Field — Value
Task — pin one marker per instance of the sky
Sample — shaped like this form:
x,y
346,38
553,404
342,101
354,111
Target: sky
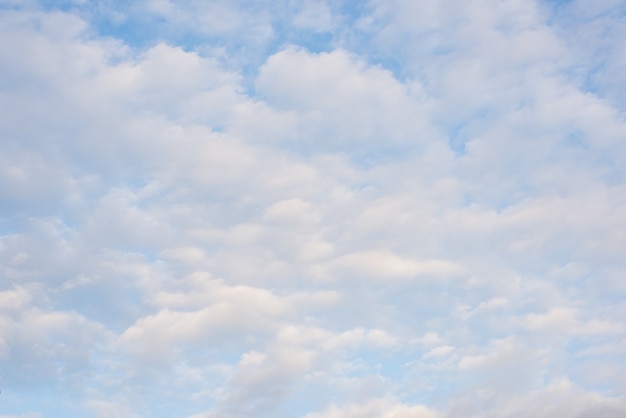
x,y
312,208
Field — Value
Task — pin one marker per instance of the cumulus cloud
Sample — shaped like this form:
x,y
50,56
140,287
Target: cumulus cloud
x,y
384,265
377,408
316,209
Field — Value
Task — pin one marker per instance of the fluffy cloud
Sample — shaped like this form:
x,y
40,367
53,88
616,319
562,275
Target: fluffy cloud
x,y
377,408
316,209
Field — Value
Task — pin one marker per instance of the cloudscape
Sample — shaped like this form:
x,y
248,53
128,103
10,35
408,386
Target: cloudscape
x,y
312,208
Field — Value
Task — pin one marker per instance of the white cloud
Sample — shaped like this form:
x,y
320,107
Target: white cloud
x,y
556,319
561,396
367,105
314,15
321,209
377,408
430,338
222,311
290,210
184,254
386,265
441,351
40,348
565,321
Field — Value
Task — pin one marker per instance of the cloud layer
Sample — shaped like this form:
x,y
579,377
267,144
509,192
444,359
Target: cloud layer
x,y
312,209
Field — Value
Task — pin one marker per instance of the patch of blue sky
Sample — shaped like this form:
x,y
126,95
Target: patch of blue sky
x,y
369,157
594,32
458,137
9,226
166,402
422,302
364,45
391,363
432,386
311,397
118,302
578,373
353,9
142,33
37,393
32,403
311,40
365,373
218,350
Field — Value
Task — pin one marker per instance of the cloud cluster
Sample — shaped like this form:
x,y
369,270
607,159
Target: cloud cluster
x,y
313,209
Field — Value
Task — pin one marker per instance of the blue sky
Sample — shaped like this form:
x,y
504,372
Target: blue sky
x,y
383,208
